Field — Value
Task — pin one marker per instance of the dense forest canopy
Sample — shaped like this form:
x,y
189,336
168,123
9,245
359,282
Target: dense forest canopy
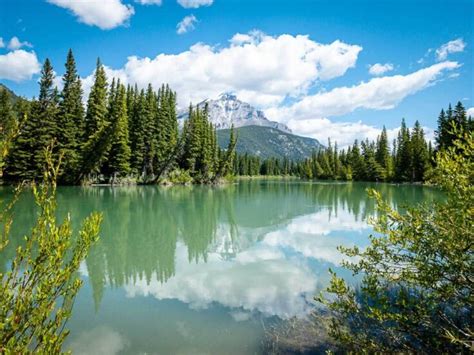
x,y
123,135
410,157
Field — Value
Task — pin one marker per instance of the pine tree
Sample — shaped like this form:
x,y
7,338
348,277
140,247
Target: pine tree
x,y
460,117
97,103
357,162
119,155
442,131
97,138
382,155
71,119
403,161
420,153
27,160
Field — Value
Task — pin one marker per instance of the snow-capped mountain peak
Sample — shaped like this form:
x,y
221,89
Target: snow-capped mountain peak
x,y
228,110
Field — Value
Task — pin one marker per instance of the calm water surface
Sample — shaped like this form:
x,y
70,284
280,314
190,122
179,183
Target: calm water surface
x,y
201,270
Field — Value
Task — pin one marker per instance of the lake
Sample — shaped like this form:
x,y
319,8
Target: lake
x,y
203,270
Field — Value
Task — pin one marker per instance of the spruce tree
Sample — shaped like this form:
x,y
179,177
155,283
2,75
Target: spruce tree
x,y
39,132
97,103
96,125
382,154
403,166
71,119
419,153
137,134
119,155
442,131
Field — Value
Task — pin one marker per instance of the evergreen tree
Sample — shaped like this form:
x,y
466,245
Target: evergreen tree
x,y
404,154
39,132
420,153
382,155
119,155
442,131
71,119
8,121
96,125
97,103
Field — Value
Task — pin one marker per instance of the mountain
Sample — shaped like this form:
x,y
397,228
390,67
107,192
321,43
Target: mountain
x,y
13,96
228,110
268,142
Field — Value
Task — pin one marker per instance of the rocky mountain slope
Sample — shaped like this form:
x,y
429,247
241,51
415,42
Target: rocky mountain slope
x,y
228,110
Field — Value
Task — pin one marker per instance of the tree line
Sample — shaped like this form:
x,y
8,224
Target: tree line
x,y
410,157
122,134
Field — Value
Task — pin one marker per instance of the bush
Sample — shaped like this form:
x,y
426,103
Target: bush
x,y
37,294
418,273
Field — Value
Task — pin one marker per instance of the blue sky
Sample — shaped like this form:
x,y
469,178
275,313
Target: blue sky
x,y
320,85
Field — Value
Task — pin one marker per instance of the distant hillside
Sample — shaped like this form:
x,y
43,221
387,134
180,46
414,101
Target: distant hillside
x,y
269,142
14,96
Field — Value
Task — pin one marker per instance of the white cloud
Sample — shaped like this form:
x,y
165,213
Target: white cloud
x,y
379,69
344,133
19,65
15,43
98,340
453,46
193,4
276,73
470,112
309,115
186,24
270,284
258,68
149,2
105,14
2,44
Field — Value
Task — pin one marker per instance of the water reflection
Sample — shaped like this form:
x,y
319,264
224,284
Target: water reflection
x,y
253,248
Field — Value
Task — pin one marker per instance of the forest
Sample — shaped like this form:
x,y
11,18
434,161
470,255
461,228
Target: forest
x,y
123,135
410,157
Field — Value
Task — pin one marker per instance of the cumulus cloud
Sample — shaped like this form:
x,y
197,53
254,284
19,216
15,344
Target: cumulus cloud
x,y
193,4
309,115
149,2
258,68
19,65
453,46
279,74
344,133
186,24
379,69
105,14
15,43
2,44
269,284
470,112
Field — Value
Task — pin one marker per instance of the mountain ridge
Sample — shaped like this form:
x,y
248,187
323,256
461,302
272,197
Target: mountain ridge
x,y
228,110
268,142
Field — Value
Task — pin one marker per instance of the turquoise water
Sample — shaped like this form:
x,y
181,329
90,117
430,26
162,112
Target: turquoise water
x,y
203,270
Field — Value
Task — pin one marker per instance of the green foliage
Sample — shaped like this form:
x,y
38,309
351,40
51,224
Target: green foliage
x,y
37,293
119,155
416,293
449,123
180,177
38,131
71,120
201,154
